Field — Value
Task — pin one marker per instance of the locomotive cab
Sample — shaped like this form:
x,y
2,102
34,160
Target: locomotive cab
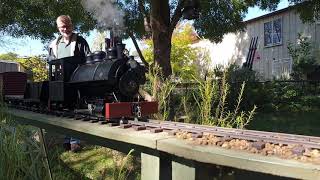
x,y
60,71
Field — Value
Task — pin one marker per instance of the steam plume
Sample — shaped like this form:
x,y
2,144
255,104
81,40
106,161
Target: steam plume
x,y
106,13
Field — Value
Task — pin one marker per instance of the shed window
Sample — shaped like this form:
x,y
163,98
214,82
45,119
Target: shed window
x,y
273,32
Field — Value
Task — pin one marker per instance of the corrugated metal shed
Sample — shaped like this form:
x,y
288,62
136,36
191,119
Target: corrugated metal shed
x,y
9,66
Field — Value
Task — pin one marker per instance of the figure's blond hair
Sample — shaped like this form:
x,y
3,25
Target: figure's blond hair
x,y
66,19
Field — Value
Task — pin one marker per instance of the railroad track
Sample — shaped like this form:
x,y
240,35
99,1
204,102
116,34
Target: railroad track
x,y
288,146
300,147
198,131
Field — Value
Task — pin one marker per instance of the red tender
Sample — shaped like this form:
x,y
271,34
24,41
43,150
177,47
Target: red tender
x,y
126,109
13,84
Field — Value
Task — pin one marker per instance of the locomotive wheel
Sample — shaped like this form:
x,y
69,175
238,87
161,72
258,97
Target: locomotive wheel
x,y
128,84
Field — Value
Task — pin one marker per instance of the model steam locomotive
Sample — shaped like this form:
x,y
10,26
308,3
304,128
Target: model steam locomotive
x,y
104,84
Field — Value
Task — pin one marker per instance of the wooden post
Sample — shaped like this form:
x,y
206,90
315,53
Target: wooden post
x,y
183,171
45,152
156,166
150,167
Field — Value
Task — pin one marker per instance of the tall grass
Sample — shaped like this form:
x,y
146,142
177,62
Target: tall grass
x,y
161,90
122,172
210,98
207,92
186,108
212,95
20,155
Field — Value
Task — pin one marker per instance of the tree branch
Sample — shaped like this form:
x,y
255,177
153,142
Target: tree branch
x,y
146,18
176,15
138,50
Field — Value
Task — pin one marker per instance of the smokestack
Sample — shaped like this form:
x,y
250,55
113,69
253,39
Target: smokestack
x,y
114,46
107,43
113,40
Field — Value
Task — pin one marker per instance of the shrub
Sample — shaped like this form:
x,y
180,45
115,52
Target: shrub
x,y
304,60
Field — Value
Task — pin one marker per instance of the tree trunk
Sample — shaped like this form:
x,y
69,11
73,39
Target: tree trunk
x,y
138,50
162,51
161,35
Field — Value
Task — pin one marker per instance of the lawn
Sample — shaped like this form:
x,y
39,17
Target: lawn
x,y
95,162
306,123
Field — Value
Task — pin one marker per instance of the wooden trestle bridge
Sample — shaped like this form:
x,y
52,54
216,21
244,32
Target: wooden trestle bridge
x,y
164,156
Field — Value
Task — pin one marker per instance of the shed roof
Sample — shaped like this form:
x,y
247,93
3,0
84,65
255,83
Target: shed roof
x,y
7,61
271,14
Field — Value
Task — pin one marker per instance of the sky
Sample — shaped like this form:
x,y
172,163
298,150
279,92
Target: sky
x,y
32,47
